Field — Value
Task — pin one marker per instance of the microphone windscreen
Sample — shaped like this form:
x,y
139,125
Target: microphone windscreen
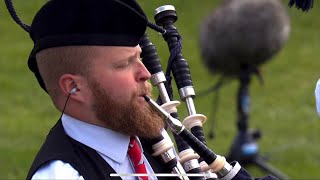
x,y
243,33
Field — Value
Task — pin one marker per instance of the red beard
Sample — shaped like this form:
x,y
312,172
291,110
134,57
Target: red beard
x,y
131,118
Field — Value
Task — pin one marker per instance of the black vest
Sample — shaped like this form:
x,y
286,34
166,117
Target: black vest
x,y
59,146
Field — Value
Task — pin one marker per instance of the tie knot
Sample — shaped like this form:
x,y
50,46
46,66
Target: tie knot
x,y
132,143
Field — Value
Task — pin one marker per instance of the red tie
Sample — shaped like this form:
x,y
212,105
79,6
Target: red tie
x,y
135,155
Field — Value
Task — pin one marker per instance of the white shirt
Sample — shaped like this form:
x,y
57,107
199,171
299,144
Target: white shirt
x,y
112,147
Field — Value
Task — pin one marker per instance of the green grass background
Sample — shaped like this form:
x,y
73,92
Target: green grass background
x,y
283,108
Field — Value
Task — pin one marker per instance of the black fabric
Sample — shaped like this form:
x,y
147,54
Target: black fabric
x,y
85,22
59,146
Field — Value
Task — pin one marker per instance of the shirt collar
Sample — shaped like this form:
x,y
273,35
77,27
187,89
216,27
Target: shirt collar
x,y
108,142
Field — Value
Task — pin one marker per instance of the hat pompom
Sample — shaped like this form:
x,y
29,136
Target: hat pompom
x,y
304,5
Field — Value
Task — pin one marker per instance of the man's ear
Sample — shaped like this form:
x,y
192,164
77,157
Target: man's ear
x,y
73,85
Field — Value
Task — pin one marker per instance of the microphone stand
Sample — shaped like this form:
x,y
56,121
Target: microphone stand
x,y
244,148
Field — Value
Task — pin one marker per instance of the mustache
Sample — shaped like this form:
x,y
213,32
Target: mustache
x,y
145,90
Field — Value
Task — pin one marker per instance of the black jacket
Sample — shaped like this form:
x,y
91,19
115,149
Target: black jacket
x,y
59,146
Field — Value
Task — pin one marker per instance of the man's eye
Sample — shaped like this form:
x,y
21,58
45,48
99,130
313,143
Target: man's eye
x,y
125,64
122,65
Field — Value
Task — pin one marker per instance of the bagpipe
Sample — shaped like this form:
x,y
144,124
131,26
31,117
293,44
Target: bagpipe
x,y
193,154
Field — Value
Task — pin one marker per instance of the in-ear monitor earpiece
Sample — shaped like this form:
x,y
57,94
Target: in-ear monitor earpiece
x,y
73,90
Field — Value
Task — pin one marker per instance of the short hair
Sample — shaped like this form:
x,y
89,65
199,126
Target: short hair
x,y
54,62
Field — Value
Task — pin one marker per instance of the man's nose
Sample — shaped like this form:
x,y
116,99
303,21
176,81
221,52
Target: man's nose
x,y
144,74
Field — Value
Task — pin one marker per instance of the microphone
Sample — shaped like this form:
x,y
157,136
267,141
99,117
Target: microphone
x,y
243,33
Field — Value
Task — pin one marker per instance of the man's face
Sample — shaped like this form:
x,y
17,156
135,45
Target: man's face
x,y
118,81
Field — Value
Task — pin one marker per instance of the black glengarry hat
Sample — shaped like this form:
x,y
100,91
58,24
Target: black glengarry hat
x,y
85,22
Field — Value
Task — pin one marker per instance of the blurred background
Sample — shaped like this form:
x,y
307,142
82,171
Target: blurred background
x,y
283,108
